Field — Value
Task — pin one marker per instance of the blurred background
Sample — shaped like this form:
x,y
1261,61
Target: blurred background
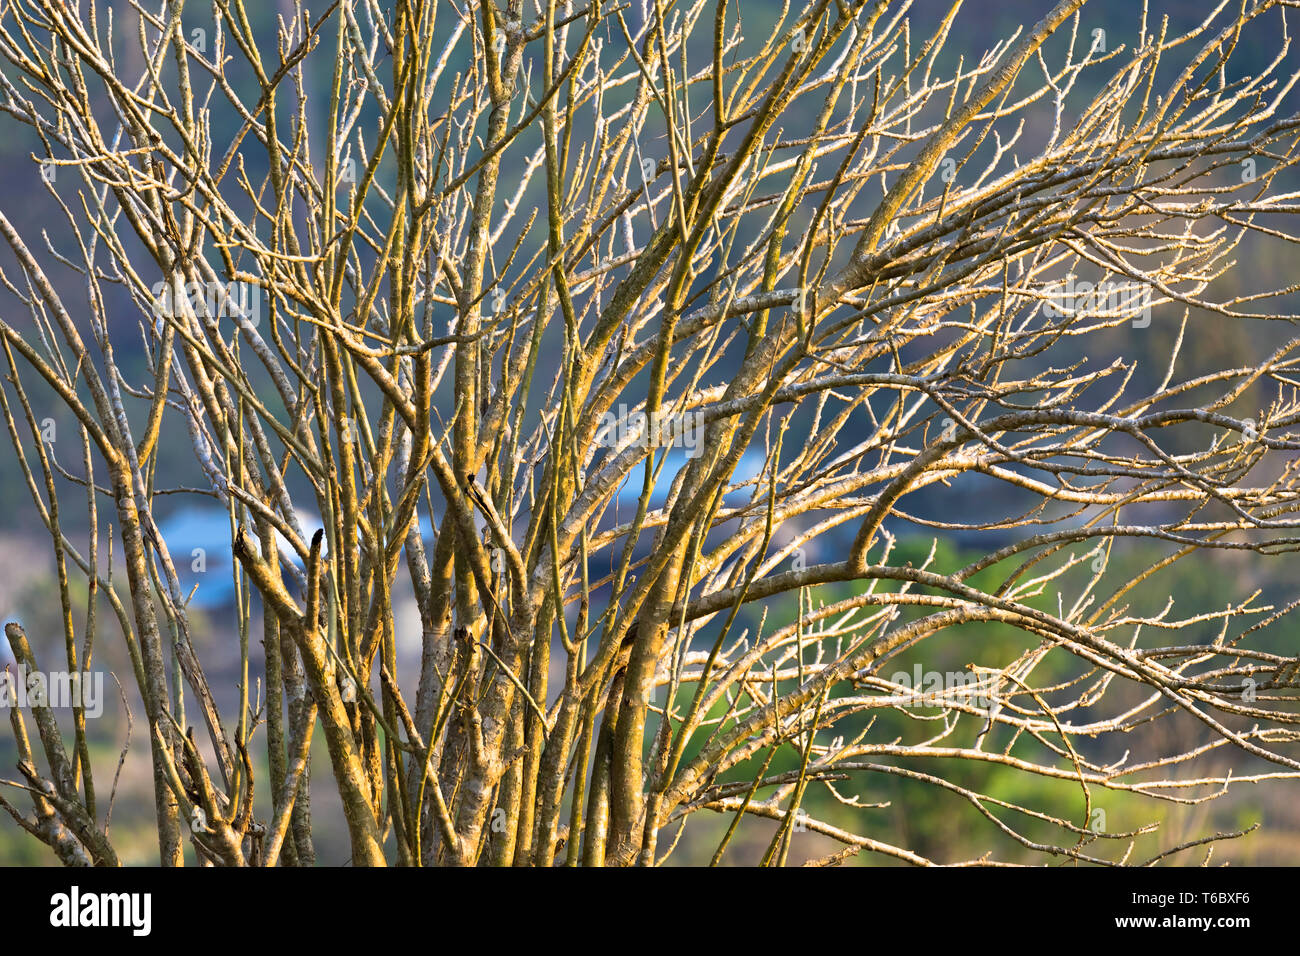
x,y
934,823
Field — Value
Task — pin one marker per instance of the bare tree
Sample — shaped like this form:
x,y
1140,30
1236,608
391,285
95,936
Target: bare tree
x,y
590,327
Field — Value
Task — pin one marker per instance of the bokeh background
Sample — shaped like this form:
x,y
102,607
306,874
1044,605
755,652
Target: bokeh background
x,y
933,823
